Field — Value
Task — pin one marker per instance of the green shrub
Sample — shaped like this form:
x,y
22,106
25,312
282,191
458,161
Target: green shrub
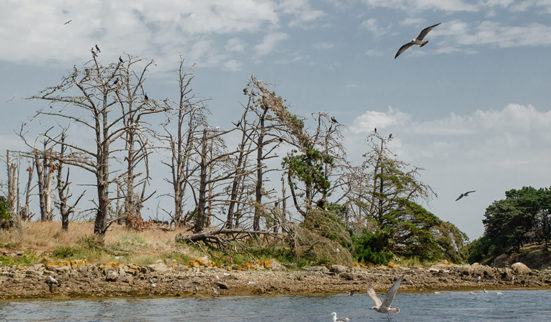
x,y
372,247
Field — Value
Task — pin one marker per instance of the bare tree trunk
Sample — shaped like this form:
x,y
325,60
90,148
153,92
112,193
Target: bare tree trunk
x,y
200,220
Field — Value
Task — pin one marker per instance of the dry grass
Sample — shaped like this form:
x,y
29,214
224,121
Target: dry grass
x,y
120,244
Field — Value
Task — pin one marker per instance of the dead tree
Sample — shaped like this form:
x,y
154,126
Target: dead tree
x,y
25,213
181,137
45,169
89,98
136,138
63,188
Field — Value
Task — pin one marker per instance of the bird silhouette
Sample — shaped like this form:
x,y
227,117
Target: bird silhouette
x,y
97,48
384,306
416,41
145,97
334,120
390,136
120,59
67,22
464,194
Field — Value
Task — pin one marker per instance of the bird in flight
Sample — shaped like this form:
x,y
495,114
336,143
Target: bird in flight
x,y
384,306
67,22
336,319
464,194
416,41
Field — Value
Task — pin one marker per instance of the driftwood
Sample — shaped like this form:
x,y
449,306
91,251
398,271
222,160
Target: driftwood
x,y
207,236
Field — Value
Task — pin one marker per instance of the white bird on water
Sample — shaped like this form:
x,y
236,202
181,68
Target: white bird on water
x,y
384,306
416,41
335,319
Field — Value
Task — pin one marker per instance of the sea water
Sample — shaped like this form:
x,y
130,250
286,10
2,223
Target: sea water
x,y
510,305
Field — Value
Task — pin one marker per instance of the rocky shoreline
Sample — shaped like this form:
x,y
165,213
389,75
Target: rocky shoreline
x,y
78,279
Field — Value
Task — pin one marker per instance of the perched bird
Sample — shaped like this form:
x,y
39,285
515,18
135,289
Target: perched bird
x,y
334,120
416,41
116,81
120,59
375,130
335,319
97,48
93,52
384,307
67,22
464,194
145,97
390,136
52,280
215,292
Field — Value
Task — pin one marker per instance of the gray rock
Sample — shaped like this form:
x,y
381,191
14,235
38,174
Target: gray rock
x,y
338,269
520,268
111,274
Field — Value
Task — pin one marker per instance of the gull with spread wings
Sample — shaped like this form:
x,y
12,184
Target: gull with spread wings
x,y
464,194
384,306
417,40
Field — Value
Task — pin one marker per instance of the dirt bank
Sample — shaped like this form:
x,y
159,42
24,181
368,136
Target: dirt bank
x,y
79,279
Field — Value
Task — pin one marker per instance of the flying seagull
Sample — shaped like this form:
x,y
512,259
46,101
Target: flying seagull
x,y
335,319
464,194
384,307
416,41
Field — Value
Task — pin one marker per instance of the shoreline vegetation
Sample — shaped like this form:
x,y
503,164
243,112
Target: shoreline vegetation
x,y
50,264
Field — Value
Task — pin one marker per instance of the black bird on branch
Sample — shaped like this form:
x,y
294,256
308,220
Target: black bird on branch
x,y
464,194
334,120
120,59
145,97
390,136
97,48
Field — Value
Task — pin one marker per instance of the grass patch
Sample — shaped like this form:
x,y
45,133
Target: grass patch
x,y
28,258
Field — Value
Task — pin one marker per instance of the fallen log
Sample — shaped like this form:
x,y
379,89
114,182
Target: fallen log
x,y
214,235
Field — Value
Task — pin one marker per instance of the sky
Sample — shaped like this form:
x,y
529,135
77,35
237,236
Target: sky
x,y
472,108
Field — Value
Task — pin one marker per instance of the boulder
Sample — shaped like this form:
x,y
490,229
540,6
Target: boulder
x,y
159,267
520,268
338,269
111,274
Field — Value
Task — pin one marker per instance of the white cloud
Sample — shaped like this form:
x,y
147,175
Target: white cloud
x,y
235,45
268,43
419,5
369,120
324,45
233,65
374,27
458,35
301,10
207,32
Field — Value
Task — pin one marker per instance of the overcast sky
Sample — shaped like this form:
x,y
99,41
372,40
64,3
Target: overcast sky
x,y
472,107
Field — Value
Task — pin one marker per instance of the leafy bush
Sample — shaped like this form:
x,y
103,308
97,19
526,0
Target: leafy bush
x,y
372,247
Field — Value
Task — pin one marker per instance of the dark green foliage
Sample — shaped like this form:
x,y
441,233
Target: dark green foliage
x,y
372,248
309,168
415,232
4,209
524,216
